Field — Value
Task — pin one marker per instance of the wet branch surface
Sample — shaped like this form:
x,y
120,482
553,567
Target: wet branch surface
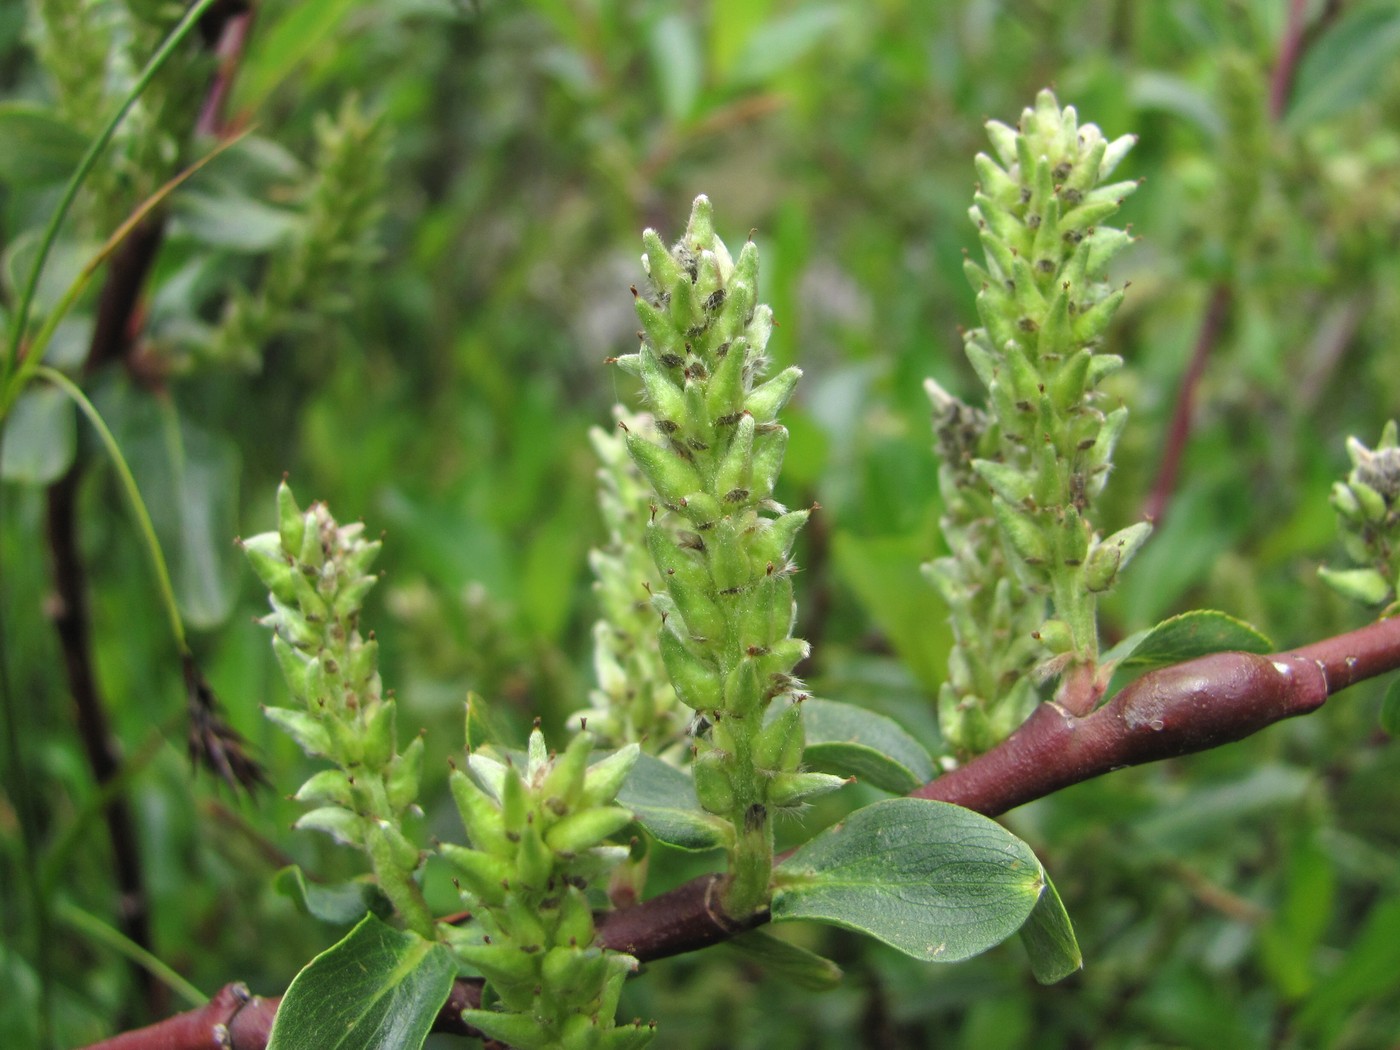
x,y
1194,706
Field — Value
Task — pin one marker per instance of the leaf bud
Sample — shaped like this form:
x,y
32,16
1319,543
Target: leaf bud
x,y
713,787
670,475
605,778
480,816
345,827
791,789
586,828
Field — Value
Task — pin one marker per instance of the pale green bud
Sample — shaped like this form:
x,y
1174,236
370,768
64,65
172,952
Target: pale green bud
x,y
341,824
696,681
1366,586
273,567
713,787
604,779
404,775
779,744
480,815
310,734
586,828
483,875
1022,533
379,736
792,789
670,475
327,786
766,401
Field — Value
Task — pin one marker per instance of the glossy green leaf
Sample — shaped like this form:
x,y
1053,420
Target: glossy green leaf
x,y
378,989
851,741
40,437
1049,939
1342,68
36,148
790,962
663,798
936,881
340,903
1183,637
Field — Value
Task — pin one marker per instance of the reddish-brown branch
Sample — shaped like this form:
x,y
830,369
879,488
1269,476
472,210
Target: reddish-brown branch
x,y
73,627
232,1020
1167,713
1195,706
1281,84
1179,432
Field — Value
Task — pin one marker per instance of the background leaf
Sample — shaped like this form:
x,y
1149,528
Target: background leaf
x,y
1341,69
40,437
663,799
787,961
36,147
851,741
340,903
378,989
938,882
1048,936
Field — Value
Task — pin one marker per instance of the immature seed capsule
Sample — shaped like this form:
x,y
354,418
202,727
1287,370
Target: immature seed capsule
x,y
713,787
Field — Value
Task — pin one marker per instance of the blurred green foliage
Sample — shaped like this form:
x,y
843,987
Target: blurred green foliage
x,y
1242,898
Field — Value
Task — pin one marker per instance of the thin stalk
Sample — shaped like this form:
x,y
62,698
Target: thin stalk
x,y
34,357
133,495
85,922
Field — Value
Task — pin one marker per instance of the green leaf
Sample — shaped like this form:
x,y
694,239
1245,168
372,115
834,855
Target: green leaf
x,y
663,799
1048,936
341,903
884,572
1151,89
1390,709
851,741
1368,973
783,42
40,438
233,221
1343,67
36,148
787,961
675,54
378,989
282,46
189,478
1183,637
936,881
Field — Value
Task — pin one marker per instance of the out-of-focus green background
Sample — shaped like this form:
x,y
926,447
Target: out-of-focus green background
x,y
1242,898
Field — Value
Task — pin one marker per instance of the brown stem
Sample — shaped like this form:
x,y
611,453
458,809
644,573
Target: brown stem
x,y
1217,308
72,624
1212,324
1289,49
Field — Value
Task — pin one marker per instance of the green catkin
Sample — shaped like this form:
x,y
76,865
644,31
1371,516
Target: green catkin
x,y
719,544
1019,480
